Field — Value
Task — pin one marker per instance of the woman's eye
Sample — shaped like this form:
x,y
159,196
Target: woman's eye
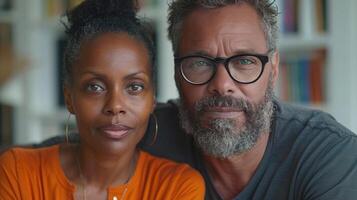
x,y
135,87
95,88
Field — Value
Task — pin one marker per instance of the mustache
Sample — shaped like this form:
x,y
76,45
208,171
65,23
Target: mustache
x,y
223,101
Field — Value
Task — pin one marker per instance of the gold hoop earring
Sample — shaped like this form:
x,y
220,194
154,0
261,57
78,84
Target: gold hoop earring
x,y
66,133
156,130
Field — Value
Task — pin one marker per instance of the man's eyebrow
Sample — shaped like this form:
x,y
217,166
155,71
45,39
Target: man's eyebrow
x,y
246,51
236,52
198,53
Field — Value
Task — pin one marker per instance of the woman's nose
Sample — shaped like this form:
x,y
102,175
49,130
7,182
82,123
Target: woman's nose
x,y
114,104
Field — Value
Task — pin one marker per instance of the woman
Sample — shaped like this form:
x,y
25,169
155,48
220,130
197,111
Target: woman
x,y
108,86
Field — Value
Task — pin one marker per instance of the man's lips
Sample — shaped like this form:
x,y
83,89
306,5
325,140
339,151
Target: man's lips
x,y
222,112
222,109
115,131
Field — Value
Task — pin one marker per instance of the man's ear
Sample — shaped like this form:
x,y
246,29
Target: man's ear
x,y
275,61
68,99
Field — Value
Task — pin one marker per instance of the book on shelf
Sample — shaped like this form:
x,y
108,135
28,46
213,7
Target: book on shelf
x,y
5,33
321,7
6,52
304,86
317,80
6,5
10,63
289,21
302,78
6,124
73,3
288,10
55,8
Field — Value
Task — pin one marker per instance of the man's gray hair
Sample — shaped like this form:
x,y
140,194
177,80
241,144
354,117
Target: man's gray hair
x,y
179,9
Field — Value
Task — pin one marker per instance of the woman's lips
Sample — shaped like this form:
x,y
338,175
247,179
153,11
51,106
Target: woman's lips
x,y
115,131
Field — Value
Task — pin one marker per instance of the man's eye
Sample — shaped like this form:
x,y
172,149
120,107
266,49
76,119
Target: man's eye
x,y
245,61
95,88
200,63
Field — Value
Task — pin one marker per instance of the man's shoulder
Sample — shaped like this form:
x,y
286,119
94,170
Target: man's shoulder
x,y
171,141
169,107
312,150
288,111
309,132
299,118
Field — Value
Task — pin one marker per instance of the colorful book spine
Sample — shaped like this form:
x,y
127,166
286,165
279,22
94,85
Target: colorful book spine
x,y
302,78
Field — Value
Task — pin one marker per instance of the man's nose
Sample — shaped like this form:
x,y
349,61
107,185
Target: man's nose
x,y
222,83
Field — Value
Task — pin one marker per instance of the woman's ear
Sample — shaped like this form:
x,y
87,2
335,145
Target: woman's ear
x,y
154,105
68,99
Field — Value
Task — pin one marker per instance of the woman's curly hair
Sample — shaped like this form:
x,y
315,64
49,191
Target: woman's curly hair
x,y
94,17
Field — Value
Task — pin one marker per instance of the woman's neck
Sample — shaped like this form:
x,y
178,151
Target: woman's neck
x,y
83,166
104,171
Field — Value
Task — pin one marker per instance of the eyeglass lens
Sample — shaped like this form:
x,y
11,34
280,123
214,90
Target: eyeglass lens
x,y
243,69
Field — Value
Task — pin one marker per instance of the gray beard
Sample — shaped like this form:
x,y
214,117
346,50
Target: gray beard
x,y
223,138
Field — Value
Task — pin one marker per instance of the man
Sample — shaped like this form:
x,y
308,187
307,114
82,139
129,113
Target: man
x,y
246,144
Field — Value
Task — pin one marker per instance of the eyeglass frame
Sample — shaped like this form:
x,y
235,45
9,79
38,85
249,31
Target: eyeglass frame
x,y
264,59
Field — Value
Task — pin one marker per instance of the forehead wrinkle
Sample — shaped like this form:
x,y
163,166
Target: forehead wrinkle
x,y
237,44
202,47
230,40
232,43
226,34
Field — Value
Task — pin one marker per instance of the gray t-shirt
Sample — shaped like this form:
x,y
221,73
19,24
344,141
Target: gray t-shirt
x,y
309,155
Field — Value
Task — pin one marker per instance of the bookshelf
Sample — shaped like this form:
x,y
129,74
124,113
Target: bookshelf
x,y
7,66
35,93
309,27
303,46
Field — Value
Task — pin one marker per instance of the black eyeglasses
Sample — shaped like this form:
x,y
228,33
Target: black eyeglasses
x,y
244,68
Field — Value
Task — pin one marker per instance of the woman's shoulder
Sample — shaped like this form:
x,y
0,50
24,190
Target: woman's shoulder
x,y
166,168
27,157
178,180
151,160
30,153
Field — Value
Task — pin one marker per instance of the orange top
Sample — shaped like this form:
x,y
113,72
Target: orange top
x,y
37,174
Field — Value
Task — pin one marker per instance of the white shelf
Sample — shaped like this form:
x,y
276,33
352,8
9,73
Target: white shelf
x,y
57,117
152,12
53,23
296,42
9,92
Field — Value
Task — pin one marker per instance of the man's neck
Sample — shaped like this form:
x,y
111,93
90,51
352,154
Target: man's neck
x,y
230,175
